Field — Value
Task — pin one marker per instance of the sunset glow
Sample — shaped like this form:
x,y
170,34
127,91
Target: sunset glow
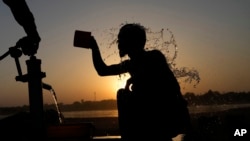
x,y
211,38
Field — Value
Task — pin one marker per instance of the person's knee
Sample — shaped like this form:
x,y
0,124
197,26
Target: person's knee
x,y
119,93
122,94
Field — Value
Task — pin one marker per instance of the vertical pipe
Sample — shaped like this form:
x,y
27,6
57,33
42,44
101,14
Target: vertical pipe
x,y
36,97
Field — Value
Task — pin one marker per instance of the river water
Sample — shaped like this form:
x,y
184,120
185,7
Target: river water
x,y
114,113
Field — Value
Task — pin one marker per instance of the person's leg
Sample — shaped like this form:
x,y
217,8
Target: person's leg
x,y
124,113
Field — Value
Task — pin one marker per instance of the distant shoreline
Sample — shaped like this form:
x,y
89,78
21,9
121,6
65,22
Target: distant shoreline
x,y
6,111
208,98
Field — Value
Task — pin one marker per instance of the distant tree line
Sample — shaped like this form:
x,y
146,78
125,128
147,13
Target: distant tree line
x,y
215,97
108,104
81,105
208,98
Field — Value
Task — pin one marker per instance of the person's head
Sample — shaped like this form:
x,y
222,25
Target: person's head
x,y
131,39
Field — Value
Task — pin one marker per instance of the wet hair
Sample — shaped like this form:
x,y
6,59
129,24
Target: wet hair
x,y
133,32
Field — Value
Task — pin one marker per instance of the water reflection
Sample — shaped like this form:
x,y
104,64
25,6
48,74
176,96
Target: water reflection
x,y
114,113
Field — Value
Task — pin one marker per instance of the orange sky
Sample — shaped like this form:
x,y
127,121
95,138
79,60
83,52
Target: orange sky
x,y
211,37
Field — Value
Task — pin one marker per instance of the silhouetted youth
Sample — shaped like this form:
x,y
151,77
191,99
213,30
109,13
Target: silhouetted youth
x,y
151,106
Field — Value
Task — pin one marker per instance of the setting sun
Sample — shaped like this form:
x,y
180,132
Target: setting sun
x,y
119,82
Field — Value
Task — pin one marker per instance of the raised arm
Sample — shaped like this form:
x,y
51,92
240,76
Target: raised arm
x,y
25,18
100,66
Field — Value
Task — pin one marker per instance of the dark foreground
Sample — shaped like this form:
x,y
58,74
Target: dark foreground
x,y
218,126
230,125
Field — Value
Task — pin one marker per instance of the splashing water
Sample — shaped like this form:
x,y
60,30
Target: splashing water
x,y
163,40
60,116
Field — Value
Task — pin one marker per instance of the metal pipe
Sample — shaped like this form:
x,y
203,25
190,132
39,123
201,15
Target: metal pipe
x,y
36,96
